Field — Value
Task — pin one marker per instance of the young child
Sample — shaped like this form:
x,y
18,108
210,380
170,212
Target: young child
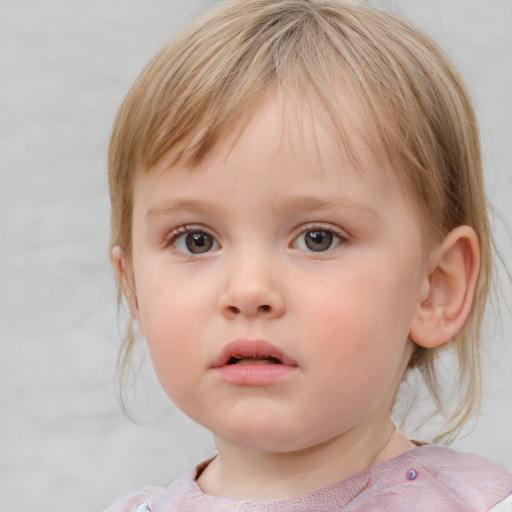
x,y
298,220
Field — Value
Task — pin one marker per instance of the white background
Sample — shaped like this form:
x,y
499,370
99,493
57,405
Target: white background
x,y
64,68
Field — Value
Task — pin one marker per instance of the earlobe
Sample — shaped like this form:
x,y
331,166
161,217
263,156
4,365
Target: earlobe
x,y
126,280
448,289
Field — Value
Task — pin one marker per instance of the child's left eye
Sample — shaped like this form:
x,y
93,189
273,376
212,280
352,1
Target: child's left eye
x,y
318,240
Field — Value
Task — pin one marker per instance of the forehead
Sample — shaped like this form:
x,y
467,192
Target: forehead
x,y
300,123
283,142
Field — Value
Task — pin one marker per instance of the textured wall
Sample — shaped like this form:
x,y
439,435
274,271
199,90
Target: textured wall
x,y
65,66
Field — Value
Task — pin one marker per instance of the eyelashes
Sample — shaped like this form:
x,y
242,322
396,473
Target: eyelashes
x,y
198,240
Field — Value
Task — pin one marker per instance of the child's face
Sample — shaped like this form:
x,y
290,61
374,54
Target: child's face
x,y
278,247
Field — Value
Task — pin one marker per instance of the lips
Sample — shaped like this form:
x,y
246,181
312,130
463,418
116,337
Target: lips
x,y
253,363
246,352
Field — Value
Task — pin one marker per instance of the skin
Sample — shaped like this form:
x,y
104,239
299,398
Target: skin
x,y
342,314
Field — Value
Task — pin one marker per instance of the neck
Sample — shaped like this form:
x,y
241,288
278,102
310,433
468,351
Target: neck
x,y
258,475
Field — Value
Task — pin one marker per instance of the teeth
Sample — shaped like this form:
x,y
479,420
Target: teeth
x,y
241,358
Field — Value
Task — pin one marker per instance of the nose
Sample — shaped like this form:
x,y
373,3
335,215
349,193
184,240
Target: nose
x,y
251,291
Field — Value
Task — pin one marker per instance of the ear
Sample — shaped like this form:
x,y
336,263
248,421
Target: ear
x,y
125,277
448,289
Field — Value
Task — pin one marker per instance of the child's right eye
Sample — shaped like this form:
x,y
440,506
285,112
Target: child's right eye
x,y
193,242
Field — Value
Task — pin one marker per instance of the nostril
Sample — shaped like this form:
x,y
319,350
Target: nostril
x,y
249,309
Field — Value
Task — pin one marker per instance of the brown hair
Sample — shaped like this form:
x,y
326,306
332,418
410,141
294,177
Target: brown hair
x,y
416,108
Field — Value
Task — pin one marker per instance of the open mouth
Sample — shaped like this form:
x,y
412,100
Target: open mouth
x,y
253,362
253,359
254,352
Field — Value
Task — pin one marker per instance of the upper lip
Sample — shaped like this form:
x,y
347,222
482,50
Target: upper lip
x,y
251,347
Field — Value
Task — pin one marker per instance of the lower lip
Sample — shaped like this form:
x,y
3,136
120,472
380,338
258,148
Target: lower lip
x,y
255,374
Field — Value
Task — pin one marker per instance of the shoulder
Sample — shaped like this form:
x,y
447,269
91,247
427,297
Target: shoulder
x,y
448,465
440,478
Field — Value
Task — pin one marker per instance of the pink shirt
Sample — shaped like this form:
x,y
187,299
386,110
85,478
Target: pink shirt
x,y
427,478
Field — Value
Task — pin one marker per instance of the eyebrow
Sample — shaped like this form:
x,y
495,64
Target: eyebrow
x,y
182,204
314,203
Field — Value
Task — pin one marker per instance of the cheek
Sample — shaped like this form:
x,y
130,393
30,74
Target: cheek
x,y
365,329
173,329
169,304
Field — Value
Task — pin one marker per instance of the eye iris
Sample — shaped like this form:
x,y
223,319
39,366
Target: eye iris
x,y
198,242
318,240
